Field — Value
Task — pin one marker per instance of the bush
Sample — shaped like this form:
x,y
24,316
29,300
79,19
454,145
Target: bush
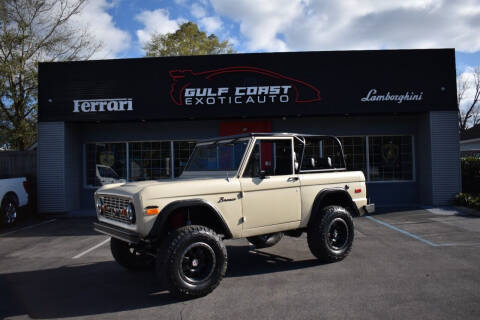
x,y
468,200
471,175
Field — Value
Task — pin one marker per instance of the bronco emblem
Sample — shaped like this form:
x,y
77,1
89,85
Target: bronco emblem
x,y
223,199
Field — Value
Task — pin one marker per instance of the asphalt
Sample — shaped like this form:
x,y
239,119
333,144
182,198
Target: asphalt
x,y
405,264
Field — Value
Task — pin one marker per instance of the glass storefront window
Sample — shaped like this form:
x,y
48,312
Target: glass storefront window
x,y
355,153
149,160
106,163
390,158
182,151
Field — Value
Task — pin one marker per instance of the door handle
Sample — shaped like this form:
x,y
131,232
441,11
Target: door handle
x,y
292,179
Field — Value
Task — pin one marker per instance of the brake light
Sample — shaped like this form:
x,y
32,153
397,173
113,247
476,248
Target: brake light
x,y
358,190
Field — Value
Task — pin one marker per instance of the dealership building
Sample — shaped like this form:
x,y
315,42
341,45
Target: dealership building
x,y
106,121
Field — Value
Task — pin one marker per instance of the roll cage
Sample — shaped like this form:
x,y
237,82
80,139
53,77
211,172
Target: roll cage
x,y
299,138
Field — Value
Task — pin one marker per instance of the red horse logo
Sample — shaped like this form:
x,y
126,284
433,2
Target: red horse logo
x,y
182,79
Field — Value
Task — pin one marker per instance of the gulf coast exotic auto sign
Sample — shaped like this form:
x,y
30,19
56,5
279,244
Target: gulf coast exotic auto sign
x,y
238,85
257,85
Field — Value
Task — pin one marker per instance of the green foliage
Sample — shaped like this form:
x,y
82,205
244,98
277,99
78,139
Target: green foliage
x,y
188,40
471,175
468,200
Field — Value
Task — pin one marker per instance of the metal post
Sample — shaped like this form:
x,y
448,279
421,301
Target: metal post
x,y
172,161
367,158
128,161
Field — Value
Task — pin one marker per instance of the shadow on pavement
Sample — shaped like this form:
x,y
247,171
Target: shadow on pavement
x,y
45,227
244,261
79,291
105,287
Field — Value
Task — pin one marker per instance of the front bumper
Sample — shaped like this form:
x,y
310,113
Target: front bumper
x,y
116,232
367,209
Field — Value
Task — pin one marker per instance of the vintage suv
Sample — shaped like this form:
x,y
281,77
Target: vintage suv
x,y
256,185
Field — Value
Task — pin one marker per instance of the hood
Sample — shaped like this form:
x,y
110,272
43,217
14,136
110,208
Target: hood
x,y
183,187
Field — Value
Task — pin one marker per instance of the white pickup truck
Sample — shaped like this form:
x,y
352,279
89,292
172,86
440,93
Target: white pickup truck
x,y
13,194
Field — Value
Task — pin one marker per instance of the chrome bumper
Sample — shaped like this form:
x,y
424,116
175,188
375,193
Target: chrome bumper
x,y
116,232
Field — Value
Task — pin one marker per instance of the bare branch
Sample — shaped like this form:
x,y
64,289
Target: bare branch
x,y
33,31
468,95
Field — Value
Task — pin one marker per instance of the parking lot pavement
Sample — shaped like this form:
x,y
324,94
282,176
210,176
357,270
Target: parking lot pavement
x,y
416,264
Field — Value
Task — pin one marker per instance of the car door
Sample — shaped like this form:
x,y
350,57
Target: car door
x,y
271,189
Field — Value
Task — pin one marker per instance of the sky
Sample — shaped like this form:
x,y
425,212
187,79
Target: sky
x,y
124,26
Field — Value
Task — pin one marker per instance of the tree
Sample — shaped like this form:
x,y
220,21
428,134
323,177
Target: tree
x,y
188,40
468,94
33,31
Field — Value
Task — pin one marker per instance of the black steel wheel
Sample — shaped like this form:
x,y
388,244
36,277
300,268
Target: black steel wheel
x,y
8,209
265,240
193,261
330,234
127,255
338,234
198,263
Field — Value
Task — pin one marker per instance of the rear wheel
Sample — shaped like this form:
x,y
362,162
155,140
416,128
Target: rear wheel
x,y
194,263
8,209
330,234
127,256
266,240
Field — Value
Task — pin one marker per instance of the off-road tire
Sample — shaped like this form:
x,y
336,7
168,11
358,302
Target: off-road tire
x,y
126,256
192,262
266,240
8,209
330,234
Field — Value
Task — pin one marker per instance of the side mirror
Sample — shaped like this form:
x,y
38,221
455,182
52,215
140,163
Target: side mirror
x,y
262,174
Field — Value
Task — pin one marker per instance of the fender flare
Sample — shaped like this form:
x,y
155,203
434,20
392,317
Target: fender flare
x,y
163,216
337,191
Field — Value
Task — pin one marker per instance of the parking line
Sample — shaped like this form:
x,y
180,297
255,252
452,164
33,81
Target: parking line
x,y
91,249
411,235
27,227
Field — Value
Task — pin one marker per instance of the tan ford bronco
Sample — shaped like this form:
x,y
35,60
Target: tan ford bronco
x,y
259,186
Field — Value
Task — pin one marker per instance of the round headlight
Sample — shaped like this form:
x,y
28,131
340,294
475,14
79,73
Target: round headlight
x,y
131,213
99,205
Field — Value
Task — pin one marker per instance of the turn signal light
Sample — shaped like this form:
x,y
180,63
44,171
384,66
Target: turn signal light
x,y
151,211
358,190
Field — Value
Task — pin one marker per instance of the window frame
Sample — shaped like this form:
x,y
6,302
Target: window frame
x,y
321,170
127,157
249,151
250,147
151,141
245,153
414,172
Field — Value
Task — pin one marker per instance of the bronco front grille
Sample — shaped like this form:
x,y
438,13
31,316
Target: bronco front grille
x,y
115,208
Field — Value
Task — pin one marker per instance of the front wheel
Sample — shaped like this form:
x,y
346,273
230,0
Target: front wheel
x,y
330,234
194,263
8,210
128,257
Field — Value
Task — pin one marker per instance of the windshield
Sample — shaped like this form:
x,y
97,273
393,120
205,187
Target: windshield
x,y
218,156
